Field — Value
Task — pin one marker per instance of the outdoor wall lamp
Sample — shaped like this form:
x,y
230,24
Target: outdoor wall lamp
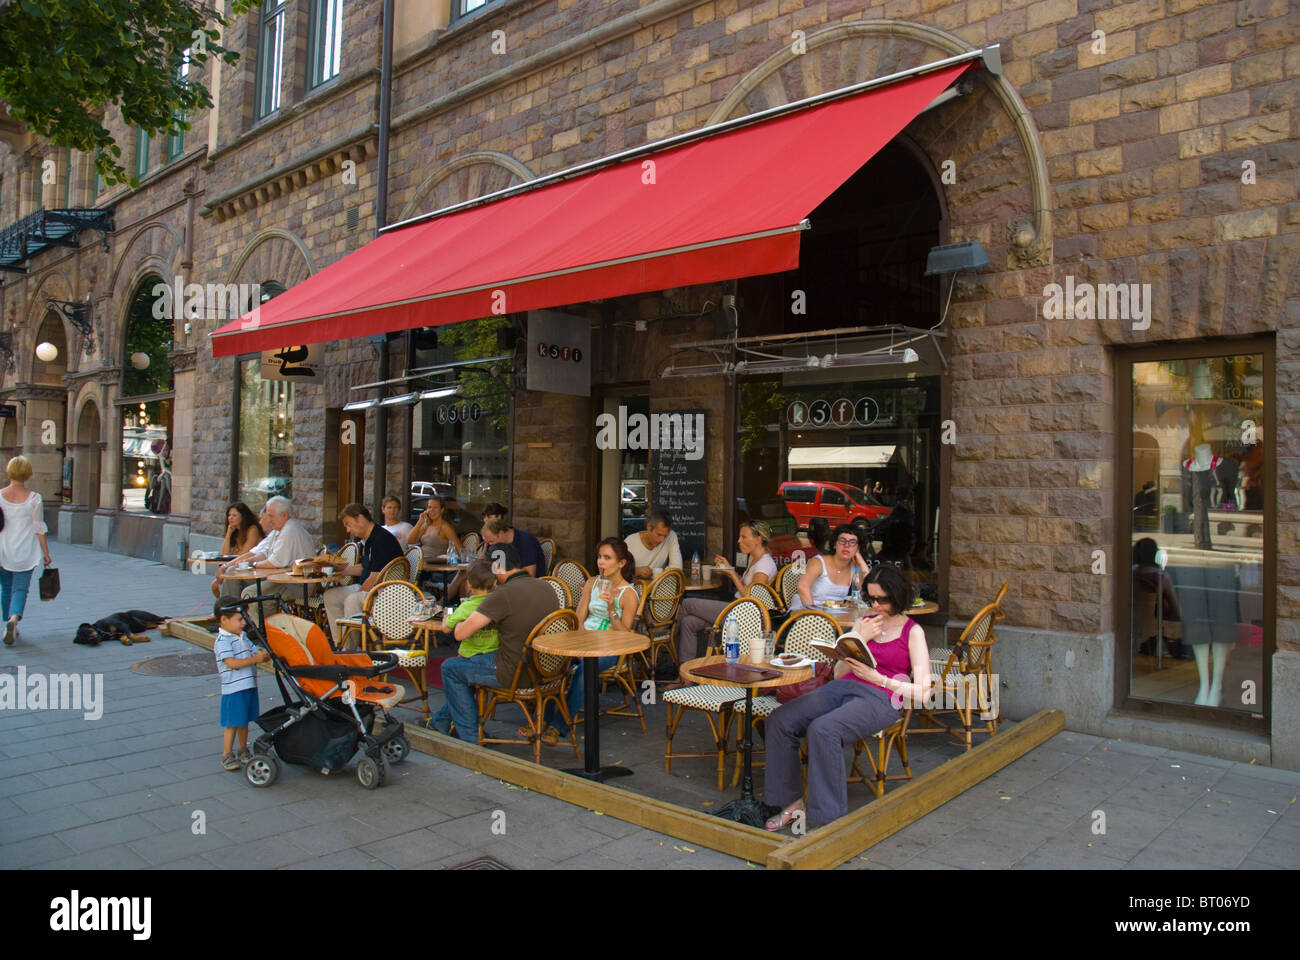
x,y
76,313
46,352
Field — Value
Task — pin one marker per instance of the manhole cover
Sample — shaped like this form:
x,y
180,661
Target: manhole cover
x,y
483,863
178,665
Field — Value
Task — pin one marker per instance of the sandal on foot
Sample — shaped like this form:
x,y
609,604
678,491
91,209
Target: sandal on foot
x,y
781,820
549,736
228,762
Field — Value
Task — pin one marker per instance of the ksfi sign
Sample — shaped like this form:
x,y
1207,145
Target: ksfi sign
x,y
559,353
842,412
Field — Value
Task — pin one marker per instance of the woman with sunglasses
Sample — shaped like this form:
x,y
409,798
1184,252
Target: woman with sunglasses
x,y
858,702
830,577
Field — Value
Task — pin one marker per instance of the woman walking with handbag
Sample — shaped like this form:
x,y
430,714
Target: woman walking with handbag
x,y
22,543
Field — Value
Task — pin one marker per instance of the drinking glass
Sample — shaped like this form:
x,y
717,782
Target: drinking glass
x,y
769,645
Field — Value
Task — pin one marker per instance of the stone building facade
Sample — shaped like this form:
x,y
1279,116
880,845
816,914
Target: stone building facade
x,y
1150,142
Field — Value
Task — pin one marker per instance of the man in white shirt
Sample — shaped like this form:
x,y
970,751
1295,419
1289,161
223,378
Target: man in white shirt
x,y
288,541
655,548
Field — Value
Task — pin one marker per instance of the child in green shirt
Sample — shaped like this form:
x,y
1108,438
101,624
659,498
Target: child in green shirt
x,y
481,580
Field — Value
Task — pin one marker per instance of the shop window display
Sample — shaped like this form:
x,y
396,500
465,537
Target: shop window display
x,y
1198,531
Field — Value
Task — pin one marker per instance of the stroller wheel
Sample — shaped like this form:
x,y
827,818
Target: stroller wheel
x,y
396,749
262,770
372,772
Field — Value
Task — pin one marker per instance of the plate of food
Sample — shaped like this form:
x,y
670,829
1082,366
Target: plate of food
x,y
791,661
835,605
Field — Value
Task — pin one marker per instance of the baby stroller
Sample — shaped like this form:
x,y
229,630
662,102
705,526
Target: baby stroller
x,y
330,701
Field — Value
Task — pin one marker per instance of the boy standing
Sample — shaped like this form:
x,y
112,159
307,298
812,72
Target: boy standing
x,y
481,579
236,662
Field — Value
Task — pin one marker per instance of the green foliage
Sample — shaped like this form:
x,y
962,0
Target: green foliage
x,y
474,340
152,336
63,62
760,404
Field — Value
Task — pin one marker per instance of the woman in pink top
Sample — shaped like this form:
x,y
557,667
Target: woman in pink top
x,y
22,543
858,702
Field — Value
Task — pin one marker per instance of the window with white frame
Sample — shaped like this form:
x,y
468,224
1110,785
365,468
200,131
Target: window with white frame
x,y
270,59
326,33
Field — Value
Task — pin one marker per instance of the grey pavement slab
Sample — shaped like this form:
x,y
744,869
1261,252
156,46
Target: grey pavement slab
x,y
123,790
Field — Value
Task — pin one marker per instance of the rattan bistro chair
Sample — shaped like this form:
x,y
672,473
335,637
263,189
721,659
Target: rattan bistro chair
x,y
396,569
787,583
964,679
546,682
414,561
562,594
386,619
878,749
768,597
471,542
548,555
574,576
716,703
657,618
795,636
316,602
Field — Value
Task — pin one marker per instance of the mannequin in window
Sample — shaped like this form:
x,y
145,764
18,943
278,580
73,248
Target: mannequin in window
x,y
1200,471
1226,494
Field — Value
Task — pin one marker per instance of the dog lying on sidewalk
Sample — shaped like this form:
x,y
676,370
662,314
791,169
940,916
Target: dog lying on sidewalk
x,y
127,627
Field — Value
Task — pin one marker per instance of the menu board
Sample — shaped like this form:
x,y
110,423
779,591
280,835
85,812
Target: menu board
x,y
678,484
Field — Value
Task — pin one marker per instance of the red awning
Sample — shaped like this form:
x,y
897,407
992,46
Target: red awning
x,y
720,207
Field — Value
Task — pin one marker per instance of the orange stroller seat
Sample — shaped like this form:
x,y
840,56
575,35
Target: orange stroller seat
x,y
301,643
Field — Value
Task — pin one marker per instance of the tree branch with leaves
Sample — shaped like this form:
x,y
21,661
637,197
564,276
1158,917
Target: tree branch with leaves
x,y
63,63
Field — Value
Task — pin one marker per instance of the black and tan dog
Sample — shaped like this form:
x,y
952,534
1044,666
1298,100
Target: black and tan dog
x,y
127,627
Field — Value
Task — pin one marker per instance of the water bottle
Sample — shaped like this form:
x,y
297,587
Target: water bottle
x,y
452,559
695,565
731,639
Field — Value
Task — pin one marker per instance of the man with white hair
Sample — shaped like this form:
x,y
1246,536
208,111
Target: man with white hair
x,y
286,542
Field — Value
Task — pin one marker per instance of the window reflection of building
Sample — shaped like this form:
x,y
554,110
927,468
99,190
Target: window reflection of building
x,y
265,441
146,406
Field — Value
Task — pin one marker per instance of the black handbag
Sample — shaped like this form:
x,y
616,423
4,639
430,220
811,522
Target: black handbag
x,y
49,585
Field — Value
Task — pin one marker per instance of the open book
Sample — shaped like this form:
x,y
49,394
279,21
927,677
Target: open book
x,y
849,646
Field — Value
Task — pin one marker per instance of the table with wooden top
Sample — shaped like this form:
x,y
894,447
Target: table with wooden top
x,y
747,809
706,583
257,574
306,579
590,645
446,569
849,615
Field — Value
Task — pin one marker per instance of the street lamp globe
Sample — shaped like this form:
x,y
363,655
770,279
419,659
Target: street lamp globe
x,y
46,352
140,360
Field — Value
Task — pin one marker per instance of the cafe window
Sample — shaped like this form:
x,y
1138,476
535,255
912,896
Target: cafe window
x,y
1200,530
146,405
265,442
853,451
460,442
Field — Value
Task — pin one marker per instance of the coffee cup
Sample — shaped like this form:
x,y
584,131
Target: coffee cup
x,y
756,651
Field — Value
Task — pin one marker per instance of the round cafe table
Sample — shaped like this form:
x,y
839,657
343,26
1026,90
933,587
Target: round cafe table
x,y
306,580
705,583
589,645
446,569
747,809
257,574
849,616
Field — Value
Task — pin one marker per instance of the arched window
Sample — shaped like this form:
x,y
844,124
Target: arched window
x,y
147,402
265,415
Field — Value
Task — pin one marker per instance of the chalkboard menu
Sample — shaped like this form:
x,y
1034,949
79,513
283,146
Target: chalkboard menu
x,y
678,484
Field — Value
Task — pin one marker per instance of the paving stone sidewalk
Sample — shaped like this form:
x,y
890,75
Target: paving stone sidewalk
x,y
128,789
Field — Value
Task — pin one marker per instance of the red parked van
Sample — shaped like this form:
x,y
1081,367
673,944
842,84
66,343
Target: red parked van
x,y
837,502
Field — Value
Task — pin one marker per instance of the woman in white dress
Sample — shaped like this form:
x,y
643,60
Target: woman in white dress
x,y
22,543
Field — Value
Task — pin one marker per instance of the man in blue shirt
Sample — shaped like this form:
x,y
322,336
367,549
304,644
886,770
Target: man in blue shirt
x,y
498,530
378,549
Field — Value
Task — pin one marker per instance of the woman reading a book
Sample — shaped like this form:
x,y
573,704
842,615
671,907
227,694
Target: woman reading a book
x,y
859,701
699,613
830,577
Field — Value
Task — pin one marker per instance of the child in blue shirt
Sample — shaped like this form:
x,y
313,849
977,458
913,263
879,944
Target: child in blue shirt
x,y
236,662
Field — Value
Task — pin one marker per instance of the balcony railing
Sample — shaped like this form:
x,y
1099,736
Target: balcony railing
x,y
23,239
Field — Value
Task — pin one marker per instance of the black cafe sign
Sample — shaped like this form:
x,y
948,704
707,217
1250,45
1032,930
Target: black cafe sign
x,y
840,412
459,412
